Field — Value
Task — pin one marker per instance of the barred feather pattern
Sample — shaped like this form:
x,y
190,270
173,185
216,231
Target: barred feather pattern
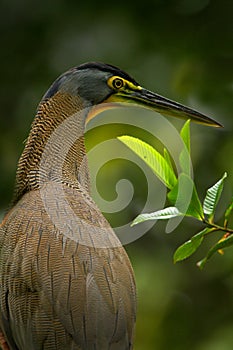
x,y
51,114
66,280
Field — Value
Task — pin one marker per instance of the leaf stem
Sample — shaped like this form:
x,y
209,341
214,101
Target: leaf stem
x,y
217,227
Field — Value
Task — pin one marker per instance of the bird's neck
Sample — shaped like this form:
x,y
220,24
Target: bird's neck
x,y
55,149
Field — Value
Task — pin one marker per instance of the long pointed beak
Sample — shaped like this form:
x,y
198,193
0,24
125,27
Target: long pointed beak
x,y
160,104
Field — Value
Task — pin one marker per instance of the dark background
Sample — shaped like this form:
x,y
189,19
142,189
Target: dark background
x,y
181,49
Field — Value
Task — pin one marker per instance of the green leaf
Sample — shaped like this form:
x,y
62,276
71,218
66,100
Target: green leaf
x,y
184,196
189,247
223,243
184,157
185,161
154,159
212,197
172,195
167,157
164,214
185,134
228,212
195,208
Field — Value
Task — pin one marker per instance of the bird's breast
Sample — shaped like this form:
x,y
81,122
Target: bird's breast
x,y
60,254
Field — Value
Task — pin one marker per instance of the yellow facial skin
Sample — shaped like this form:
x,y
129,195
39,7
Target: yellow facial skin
x,y
121,87
125,91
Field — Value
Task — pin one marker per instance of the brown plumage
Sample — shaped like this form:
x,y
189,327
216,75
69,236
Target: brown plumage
x,y
66,281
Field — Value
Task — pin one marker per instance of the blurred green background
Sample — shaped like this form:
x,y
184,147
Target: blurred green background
x,y
181,49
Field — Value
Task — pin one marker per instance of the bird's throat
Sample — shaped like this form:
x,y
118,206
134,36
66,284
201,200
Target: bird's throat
x,y
55,149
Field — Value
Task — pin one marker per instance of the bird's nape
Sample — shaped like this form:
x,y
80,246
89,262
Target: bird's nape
x,y
100,83
66,280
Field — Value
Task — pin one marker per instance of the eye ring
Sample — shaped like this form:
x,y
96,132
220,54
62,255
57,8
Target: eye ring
x,y
117,83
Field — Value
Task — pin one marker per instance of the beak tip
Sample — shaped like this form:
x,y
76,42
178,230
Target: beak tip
x,y
218,125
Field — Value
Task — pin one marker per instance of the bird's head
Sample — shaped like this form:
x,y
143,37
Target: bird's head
x,y
99,84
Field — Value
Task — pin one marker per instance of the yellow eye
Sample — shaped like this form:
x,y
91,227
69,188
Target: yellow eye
x,y
117,83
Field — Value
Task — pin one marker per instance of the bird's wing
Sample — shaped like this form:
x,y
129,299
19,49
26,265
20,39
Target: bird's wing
x,y
57,291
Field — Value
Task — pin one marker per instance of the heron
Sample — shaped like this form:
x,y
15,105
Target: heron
x,y
66,279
